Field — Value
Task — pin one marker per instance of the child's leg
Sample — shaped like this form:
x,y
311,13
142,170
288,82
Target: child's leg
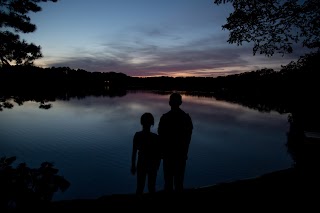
x,y
152,178
141,179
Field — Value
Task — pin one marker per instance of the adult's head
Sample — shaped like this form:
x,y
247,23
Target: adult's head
x,y
147,119
175,100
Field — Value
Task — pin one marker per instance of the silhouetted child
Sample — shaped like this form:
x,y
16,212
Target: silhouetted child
x,y
146,144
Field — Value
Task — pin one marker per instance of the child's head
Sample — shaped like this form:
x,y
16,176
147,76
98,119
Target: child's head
x,y
147,119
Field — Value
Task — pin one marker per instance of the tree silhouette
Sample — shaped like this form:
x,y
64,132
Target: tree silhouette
x,y
274,25
28,188
14,20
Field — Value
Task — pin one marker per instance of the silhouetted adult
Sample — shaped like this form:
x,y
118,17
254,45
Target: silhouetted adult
x,y
175,130
146,143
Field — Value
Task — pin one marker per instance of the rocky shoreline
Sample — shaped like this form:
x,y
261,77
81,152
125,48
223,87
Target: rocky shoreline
x,y
288,189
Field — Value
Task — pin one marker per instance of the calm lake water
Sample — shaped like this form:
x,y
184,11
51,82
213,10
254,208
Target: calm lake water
x,y
90,140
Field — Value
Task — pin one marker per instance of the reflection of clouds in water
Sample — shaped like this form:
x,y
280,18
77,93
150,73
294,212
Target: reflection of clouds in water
x,y
208,101
272,119
205,109
130,106
210,111
136,106
114,114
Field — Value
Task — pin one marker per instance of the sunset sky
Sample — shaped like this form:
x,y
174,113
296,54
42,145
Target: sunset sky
x,y
143,38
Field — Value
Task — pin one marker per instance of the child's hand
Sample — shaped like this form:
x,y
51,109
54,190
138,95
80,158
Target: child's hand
x,y
133,169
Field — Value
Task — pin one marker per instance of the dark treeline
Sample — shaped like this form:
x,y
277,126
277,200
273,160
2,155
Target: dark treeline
x,y
294,88
47,84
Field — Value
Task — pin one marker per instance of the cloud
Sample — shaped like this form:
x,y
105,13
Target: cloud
x,y
156,52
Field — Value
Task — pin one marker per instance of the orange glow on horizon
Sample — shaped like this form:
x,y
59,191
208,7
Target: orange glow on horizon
x,y
196,73
185,73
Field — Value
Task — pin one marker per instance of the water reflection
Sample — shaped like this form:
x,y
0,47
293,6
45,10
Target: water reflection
x,y
90,140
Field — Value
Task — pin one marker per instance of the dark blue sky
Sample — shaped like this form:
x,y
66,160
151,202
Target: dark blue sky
x,y
143,38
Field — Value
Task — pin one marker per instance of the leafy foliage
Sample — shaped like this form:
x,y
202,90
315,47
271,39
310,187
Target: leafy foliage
x,y
23,187
14,20
274,25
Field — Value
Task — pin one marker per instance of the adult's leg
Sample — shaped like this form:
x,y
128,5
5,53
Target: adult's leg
x,y
168,171
180,167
